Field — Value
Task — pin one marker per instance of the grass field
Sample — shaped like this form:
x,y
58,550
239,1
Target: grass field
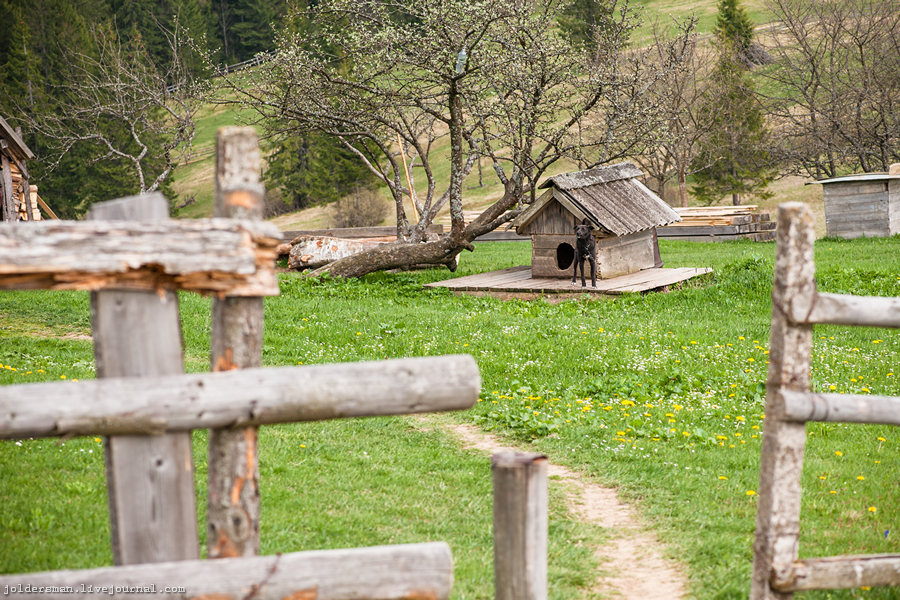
x,y
660,395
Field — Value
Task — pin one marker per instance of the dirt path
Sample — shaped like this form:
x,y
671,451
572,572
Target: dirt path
x,y
632,564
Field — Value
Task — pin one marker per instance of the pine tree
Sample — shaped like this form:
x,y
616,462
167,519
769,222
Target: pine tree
x,y
734,28
733,158
252,28
313,169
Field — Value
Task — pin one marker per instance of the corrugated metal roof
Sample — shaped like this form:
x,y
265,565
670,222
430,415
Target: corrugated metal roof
x,y
859,177
612,198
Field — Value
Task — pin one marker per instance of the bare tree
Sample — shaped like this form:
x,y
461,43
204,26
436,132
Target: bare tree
x,y
679,96
494,76
126,107
835,93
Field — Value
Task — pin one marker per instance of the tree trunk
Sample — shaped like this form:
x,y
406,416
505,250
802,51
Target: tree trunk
x,y
396,255
682,187
442,251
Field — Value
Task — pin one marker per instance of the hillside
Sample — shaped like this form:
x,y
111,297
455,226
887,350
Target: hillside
x,y
195,179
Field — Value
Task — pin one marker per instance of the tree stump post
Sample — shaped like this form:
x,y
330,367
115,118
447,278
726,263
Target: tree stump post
x,y
150,478
520,526
237,328
784,442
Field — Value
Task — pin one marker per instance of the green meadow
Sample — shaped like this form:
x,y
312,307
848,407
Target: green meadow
x,y
660,395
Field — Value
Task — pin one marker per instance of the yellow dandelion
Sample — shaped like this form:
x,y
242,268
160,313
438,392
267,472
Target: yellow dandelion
x,y
722,477
872,509
751,492
838,453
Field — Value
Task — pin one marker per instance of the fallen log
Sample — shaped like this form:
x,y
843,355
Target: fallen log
x,y
317,251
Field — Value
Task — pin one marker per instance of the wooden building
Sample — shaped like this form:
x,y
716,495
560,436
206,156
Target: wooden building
x,y
18,199
865,205
623,211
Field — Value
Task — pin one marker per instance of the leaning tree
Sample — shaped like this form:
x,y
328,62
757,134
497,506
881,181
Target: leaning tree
x,y
392,79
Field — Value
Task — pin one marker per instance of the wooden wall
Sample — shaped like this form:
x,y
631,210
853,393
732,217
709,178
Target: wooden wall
x,y
862,208
555,219
894,205
616,255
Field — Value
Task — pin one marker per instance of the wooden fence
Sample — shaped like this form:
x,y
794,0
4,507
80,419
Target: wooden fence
x,y
134,259
796,307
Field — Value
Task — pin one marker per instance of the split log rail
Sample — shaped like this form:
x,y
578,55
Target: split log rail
x,y
796,306
134,259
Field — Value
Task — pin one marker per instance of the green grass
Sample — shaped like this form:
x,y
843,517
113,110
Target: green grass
x,y
657,394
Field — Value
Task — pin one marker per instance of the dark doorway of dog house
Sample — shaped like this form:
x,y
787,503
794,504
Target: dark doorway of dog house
x,y
565,256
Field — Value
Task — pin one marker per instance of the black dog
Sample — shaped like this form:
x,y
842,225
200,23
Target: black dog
x,y
585,248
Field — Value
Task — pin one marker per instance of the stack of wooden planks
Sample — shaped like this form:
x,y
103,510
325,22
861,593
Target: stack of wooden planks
x,y
719,224
19,200
22,208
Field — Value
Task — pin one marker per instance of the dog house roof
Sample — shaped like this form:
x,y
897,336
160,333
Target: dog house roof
x,y
610,197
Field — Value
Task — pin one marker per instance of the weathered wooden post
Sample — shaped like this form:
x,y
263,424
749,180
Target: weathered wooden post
x,y
778,512
8,203
150,478
520,526
237,330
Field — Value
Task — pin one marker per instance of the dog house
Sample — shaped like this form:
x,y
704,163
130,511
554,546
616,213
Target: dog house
x,y
865,205
623,212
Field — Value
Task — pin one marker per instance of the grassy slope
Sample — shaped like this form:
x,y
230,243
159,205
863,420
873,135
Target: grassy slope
x,y
658,394
196,179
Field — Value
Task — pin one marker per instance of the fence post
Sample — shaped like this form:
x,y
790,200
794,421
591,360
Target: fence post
x,y
784,442
150,479
520,526
7,202
237,328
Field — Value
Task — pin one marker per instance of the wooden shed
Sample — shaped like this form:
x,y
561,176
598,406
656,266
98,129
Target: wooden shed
x,y
623,211
865,205
17,202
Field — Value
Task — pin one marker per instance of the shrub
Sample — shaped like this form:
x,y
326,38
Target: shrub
x,y
363,208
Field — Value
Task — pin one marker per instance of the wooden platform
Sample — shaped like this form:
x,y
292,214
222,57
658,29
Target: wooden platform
x,y
517,282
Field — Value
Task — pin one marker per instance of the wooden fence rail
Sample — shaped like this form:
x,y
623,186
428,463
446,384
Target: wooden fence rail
x,y
796,305
248,397
210,256
402,572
